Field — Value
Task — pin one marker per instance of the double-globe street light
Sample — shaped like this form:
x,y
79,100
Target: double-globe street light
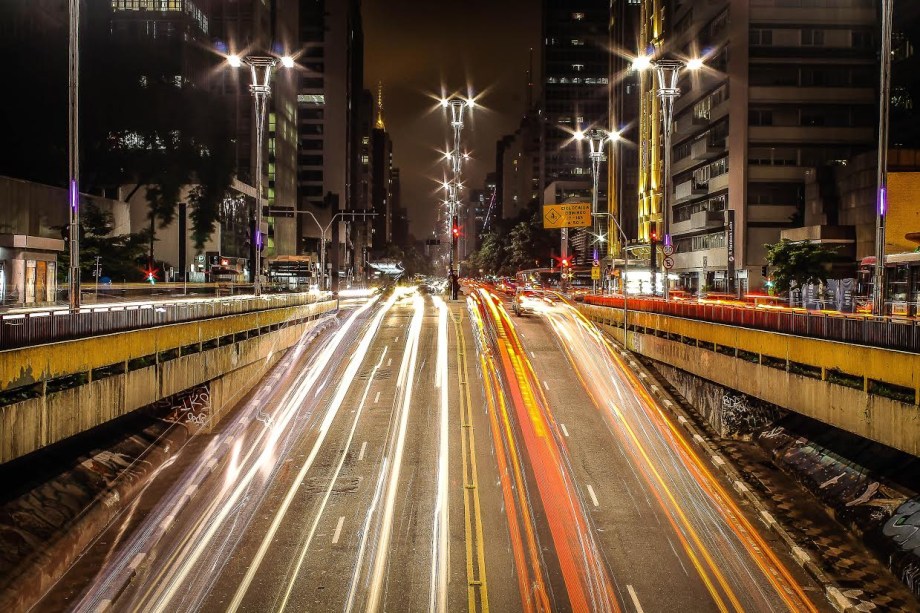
x,y
597,143
457,107
668,72
261,68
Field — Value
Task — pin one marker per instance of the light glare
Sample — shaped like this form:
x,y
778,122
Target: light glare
x,y
643,62
287,61
694,64
234,60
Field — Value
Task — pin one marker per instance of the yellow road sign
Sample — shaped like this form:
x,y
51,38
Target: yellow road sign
x,y
571,215
595,272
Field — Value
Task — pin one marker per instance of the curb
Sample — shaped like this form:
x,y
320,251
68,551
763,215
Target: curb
x,y
840,601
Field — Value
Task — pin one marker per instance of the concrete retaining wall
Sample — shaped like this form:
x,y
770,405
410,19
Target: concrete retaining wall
x,y
877,418
32,424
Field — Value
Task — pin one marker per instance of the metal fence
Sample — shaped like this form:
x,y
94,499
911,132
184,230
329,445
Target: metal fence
x,y
885,332
37,327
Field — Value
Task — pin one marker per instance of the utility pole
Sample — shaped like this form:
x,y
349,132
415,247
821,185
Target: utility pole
x,y
73,185
878,290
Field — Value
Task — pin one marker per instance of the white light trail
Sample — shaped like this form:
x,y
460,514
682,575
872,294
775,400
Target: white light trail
x,y
437,598
350,373
405,385
335,476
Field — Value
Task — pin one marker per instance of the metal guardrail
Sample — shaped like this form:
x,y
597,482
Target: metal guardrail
x,y
883,332
38,327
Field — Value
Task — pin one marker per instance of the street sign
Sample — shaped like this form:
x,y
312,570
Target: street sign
x,y
570,215
668,263
668,249
595,272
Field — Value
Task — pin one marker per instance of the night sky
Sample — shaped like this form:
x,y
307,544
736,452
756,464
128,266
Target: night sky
x,y
417,46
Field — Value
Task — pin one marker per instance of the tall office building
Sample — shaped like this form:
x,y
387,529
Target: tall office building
x,y
623,163
381,179
784,89
328,97
575,82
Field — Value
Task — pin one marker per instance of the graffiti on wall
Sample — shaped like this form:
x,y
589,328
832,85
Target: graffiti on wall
x,y
904,529
742,414
191,407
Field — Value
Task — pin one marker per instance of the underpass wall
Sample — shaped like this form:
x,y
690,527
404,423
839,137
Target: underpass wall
x,y
31,424
873,416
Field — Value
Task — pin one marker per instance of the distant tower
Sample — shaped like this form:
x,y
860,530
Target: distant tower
x,y
378,124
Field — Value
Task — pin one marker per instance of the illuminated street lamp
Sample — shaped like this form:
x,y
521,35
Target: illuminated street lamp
x,y
455,157
260,67
668,72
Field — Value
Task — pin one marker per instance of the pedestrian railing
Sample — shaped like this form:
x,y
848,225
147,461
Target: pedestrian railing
x,y
37,327
885,332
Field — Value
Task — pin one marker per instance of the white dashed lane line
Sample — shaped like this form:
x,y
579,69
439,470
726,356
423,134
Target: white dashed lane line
x,y
593,496
635,599
564,430
363,449
338,530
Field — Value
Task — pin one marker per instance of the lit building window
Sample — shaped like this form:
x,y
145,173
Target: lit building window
x,y
311,99
578,16
577,42
578,67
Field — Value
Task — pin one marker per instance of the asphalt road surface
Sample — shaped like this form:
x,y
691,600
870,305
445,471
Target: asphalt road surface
x,y
420,455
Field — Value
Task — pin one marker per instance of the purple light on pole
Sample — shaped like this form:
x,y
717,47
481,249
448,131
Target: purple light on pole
x,y
667,240
259,240
882,201
73,196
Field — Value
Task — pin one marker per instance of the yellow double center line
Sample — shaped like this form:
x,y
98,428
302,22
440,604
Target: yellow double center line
x,y
475,564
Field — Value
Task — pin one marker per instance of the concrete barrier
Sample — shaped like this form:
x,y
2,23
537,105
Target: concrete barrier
x,y
31,424
854,409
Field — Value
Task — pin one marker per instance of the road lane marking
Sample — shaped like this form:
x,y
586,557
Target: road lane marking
x,y
390,362
545,386
717,460
533,355
472,511
363,449
338,530
635,599
377,398
564,431
593,496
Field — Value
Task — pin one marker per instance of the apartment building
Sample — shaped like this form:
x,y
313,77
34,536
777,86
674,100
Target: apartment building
x,y
787,86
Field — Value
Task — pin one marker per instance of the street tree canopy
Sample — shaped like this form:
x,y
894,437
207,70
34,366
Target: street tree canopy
x,y
797,264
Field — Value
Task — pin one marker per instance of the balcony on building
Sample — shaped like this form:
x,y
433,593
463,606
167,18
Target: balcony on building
x,y
689,189
706,148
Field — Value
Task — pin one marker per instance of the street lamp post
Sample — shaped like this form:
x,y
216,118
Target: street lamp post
x,y
457,107
597,141
322,234
260,67
878,290
668,91
73,185
668,72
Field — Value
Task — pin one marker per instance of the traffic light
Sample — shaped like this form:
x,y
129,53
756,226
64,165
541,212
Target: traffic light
x,y
565,262
455,231
763,271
